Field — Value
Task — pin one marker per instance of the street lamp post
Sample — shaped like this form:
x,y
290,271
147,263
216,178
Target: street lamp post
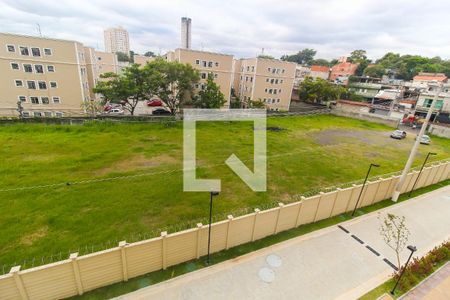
x,y
417,178
412,249
362,188
212,194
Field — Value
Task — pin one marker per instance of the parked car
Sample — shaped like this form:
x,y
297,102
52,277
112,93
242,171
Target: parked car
x,y
115,111
398,134
154,102
160,112
425,139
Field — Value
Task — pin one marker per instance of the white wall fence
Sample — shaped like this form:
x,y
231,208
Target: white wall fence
x,y
79,274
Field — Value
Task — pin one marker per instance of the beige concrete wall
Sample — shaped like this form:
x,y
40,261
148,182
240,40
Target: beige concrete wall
x,y
68,61
80,274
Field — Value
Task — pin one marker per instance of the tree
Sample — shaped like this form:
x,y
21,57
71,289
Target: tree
x,y
359,57
375,71
318,90
321,62
256,104
172,82
92,107
304,56
210,96
122,56
395,234
149,54
266,56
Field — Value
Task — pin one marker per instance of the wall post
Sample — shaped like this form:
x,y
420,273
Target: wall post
x,y
318,205
280,207
76,272
19,283
199,227
297,221
123,256
164,250
227,243
254,223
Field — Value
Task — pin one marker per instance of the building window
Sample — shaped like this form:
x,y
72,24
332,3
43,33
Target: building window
x,y
272,81
279,91
251,79
282,71
268,69
276,81
246,78
197,61
11,48
270,91
45,100
253,68
42,85
28,68
56,100
48,51
204,63
281,80
24,51
51,69
267,79
203,75
210,64
37,114
265,90
19,83
217,64
39,69
275,91
34,100
15,66
31,85
26,114
216,75
53,84
22,99
48,114
278,100
36,52
58,114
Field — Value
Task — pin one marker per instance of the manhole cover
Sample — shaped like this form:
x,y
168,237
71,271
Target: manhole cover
x,y
266,275
273,260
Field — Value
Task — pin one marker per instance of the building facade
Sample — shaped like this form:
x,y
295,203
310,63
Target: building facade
x,y
322,72
117,40
342,71
220,65
186,33
268,80
45,77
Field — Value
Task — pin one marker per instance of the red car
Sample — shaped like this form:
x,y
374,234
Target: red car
x,y
154,102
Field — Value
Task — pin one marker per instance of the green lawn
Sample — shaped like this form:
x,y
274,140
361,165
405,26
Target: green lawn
x,y
313,152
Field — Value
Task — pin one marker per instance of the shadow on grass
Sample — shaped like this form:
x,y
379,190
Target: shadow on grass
x,y
174,271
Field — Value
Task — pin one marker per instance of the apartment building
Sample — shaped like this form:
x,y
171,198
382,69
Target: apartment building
x,y
268,80
116,40
220,65
46,77
142,60
322,72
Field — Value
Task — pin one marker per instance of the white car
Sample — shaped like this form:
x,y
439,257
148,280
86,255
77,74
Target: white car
x,y
115,111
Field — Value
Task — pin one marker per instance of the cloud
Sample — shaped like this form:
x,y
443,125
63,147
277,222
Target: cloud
x,y
332,27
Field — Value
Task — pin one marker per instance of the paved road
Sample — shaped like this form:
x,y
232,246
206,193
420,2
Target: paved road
x,y
327,264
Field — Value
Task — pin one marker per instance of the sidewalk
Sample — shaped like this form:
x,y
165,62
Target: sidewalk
x,y
333,263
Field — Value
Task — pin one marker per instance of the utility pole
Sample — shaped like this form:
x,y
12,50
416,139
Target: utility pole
x,y
400,183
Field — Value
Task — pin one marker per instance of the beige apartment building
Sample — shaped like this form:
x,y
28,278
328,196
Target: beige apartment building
x,y
48,77
117,40
268,80
221,65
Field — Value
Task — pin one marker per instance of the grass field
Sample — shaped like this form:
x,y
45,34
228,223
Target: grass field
x,y
312,152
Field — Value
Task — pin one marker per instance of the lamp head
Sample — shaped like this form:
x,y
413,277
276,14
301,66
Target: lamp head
x,y
432,153
375,165
412,248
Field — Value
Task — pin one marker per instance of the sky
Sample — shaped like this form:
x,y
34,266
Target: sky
x,y
243,28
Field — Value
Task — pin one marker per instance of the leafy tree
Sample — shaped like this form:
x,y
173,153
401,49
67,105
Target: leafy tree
x,y
211,96
321,62
395,234
359,57
92,108
266,56
375,71
172,82
149,54
132,53
318,90
256,104
304,56
122,56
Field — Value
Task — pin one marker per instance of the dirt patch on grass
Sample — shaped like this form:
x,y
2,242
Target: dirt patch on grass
x,y
136,162
28,240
